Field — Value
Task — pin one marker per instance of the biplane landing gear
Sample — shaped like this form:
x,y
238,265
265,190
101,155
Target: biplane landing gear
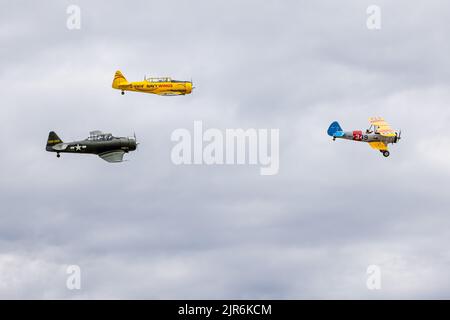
x,y
385,153
334,138
58,155
123,92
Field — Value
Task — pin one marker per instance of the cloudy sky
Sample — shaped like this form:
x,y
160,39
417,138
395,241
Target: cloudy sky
x,y
147,228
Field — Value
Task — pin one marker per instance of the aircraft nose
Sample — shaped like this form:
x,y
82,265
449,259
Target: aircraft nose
x,y
188,87
132,144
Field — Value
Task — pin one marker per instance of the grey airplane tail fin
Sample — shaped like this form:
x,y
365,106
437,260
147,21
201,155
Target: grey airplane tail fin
x,y
52,140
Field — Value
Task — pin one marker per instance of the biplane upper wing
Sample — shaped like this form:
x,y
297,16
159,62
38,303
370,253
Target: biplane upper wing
x,y
378,145
382,127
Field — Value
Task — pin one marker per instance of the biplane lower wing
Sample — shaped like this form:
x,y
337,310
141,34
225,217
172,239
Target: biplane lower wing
x,y
378,145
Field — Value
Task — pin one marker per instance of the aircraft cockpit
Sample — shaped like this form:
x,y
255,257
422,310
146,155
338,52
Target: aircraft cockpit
x,y
372,129
164,79
100,136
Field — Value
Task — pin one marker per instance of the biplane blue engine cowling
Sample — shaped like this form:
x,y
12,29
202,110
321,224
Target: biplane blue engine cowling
x,y
335,130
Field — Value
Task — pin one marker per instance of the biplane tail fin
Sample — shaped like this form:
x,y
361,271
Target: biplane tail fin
x,y
118,79
52,140
335,129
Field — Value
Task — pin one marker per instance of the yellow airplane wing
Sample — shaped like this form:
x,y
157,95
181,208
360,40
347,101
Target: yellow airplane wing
x,y
378,145
382,127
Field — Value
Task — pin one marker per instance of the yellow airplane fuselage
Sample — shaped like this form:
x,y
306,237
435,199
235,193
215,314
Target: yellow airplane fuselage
x,y
160,86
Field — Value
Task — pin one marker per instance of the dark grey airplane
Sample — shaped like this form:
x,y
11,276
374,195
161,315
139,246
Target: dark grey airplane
x,y
104,145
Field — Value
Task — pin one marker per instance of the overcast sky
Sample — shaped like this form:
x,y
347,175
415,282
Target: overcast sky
x,y
147,228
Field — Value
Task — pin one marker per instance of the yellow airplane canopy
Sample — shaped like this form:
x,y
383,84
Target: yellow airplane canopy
x,y
158,79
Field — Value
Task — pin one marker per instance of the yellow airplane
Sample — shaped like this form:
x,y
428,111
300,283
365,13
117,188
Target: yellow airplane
x,y
160,86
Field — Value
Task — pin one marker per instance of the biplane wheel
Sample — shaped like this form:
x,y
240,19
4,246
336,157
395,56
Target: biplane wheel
x,y
58,155
122,92
386,153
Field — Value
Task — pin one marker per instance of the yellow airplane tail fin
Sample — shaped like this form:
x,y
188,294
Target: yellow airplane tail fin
x,y
118,79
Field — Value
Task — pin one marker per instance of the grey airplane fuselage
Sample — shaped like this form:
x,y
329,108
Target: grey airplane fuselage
x,y
94,146
358,135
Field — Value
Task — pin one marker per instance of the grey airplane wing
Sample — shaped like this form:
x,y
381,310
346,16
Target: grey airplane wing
x,y
112,156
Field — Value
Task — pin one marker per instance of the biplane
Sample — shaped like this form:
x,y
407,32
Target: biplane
x,y
160,86
105,145
378,135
